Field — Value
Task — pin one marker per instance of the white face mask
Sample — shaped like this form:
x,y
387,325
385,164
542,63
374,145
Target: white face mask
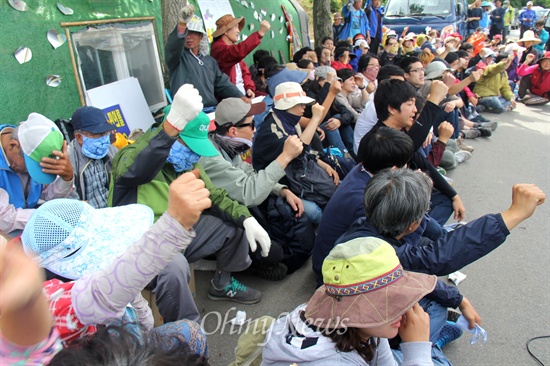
x,y
311,75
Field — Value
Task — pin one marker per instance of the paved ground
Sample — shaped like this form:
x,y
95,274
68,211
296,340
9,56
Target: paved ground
x,y
510,288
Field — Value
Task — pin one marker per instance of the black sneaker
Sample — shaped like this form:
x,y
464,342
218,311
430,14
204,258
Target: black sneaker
x,y
484,132
452,315
275,273
235,291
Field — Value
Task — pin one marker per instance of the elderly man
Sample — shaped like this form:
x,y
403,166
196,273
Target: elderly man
x,y
187,65
91,153
34,165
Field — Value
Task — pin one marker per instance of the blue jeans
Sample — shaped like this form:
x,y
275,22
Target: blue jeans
x,y
438,318
452,118
312,211
441,207
494,104
342,138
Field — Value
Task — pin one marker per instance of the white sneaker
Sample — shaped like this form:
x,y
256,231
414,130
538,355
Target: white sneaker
x,y
462,155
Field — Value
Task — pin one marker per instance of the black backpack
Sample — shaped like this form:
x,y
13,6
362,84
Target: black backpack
x,y
308,180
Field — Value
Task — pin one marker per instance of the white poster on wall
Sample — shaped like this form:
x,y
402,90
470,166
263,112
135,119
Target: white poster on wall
x,y
124,104
213,10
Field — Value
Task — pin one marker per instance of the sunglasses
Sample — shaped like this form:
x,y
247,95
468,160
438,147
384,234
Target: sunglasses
x,y
245,125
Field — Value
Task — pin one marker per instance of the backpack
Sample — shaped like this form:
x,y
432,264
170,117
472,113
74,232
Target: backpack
x,y
308,180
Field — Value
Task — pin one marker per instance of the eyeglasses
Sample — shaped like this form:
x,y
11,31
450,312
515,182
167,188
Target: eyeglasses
x,y
246,125
418,70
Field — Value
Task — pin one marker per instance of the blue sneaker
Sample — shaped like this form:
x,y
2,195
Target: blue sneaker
x,y
449,333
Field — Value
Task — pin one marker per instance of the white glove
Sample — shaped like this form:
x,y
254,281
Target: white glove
x,y
186,13
186,106
255,233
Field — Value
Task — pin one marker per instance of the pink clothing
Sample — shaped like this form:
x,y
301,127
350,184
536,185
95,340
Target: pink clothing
x,y
228,55
540,80
39,354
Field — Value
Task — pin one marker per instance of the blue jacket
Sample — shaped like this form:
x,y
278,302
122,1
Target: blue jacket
x,y
375,27
10,182
450,253
347,15
528,14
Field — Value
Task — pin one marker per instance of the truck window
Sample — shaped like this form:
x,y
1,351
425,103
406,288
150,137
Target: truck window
x,y
416,8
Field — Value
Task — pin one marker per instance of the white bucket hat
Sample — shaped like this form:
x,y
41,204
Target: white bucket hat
x,y
288,94
195,25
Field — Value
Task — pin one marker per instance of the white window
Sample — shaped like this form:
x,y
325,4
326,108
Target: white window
x,y
116,51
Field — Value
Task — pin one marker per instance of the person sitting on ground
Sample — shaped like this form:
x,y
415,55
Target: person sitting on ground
x,y
384,149
342,58
324,55
90,154
232,137
529,41
395,107
493,87
142,173
260,79
187,65
305,53
282,122
390,217
34,165
110,270
346,322
534,86
391,47
256,57
367,118
305,64
542,34
358,49
230,55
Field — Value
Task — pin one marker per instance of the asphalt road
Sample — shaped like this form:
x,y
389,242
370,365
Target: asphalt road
x,y
510,288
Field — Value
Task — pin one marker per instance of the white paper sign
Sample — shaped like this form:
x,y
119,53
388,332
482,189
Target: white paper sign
x,y
128,96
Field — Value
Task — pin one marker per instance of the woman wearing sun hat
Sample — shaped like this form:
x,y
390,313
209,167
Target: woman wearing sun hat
x,y
290,102
528,41
366,298
230,55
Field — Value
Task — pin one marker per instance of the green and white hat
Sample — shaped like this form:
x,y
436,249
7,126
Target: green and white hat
x,y
195,136
39,137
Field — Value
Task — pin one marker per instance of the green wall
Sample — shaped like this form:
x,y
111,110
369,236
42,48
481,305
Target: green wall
x,y
23,86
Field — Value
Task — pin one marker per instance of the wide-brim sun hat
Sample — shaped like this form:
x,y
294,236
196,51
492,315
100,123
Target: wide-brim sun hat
x,y
72,239
545,56
225,23
196,25
365,286
289,94
529,36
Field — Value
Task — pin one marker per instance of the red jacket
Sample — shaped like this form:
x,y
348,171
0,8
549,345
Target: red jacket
x,y
540,80
228,55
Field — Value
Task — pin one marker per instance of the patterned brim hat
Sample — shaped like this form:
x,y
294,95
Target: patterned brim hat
x,y
365,286
72,239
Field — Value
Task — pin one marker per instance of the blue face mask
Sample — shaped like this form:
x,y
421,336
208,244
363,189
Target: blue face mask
x,y
96,148
182,157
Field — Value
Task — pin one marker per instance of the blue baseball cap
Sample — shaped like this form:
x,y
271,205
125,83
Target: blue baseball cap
x,y
285,74
91,119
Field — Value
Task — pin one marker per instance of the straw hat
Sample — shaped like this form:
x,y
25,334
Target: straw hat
x,y
225,23
529,36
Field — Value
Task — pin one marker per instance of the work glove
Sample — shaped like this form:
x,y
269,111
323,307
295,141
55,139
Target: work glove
x,y
186,13
186,106
255,233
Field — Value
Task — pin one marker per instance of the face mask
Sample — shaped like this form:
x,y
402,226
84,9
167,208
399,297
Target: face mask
x,y
182,157
311,75
96,148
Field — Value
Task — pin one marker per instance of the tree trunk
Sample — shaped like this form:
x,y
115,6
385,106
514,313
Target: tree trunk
x,y
322,20
170,10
